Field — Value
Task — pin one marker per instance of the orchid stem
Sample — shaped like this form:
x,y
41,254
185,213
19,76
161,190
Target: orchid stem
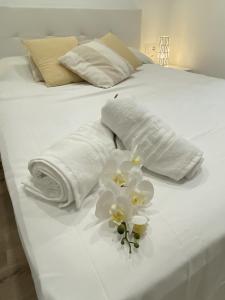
x,y
125,238
114,135
115,140
116,96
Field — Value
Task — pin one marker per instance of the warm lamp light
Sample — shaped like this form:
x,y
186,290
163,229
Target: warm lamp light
x,y
164,44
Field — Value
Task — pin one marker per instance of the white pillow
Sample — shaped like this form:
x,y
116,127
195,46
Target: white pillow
x,y
141,56
97,64
83,39
15,68
34,70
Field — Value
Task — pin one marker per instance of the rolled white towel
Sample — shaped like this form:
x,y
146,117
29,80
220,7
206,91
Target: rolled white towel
x,y
162,151
67,171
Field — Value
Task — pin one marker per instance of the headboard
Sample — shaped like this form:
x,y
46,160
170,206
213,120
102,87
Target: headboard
x,y
17,23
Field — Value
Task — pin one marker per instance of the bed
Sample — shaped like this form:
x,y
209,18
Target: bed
x,y
71,255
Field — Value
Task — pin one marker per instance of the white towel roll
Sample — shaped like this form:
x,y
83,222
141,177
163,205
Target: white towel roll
x,y
67,171
162,151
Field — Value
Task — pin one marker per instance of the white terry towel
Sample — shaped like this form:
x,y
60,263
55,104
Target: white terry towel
x,y
67,171
162,151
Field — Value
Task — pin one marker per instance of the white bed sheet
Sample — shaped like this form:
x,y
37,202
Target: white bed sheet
x,y
74,257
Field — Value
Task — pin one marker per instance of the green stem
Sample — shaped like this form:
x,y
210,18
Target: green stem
x,y
125,238
114,135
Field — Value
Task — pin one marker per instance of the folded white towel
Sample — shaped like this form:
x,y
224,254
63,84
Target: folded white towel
x,y
162,151
67,171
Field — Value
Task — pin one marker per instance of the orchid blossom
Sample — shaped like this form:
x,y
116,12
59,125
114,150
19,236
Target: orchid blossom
x,y
113,207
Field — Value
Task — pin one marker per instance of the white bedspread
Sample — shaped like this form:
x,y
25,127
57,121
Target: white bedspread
x,y
74,257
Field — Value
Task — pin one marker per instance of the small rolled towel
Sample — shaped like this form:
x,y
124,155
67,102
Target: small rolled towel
x,y
162,151
67,171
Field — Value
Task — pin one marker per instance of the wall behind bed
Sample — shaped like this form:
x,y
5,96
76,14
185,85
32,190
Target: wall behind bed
x,y
97,4
155,19
196,29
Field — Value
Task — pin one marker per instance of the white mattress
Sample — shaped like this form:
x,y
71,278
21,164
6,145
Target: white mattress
x,y
74,257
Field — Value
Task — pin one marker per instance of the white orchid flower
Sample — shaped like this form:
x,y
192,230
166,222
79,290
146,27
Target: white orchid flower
x,y
113,206
124,195
135,157
119,170
141,192
123,187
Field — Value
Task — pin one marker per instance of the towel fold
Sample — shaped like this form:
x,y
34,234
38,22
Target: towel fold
x,y
162,151
67,171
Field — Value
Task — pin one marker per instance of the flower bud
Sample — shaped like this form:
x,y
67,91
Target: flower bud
x,y
136,235
121,229
139,224
136,245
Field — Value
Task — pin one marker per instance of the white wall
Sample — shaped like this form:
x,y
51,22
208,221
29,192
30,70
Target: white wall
x,y
98,4
155,19
198,30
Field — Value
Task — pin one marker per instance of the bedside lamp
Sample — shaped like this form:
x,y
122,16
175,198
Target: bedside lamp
x,y
164,43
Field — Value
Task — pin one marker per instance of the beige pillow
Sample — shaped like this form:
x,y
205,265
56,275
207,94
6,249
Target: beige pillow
x,y
97,64
45,53
34,70
113,42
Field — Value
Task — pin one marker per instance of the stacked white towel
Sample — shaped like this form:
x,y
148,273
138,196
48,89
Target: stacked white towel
x,y
67,171
162,151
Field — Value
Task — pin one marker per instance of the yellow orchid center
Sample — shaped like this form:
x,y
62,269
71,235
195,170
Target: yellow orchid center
x,y
136,160
117,214
137,199
119,179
